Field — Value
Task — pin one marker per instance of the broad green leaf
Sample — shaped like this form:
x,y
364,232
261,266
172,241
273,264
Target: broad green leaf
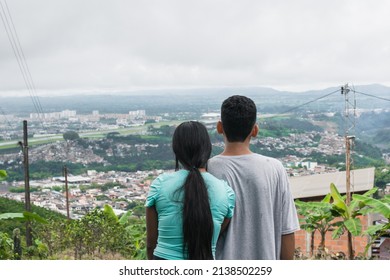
x,y
307,227
34,217
354,204
370,192
377,205
337,224
3,174
386,199
338,232
327,198
110,212
302,220
5,216
354,226
338,200
372,230
317,205
338,212
364,211
299,203
125,217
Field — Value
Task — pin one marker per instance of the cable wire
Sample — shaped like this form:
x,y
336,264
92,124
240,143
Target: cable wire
x,y
304,104
371,95
19,55
24,59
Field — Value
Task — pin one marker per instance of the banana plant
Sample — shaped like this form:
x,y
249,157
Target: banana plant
x,y
372,205
317,216
349,214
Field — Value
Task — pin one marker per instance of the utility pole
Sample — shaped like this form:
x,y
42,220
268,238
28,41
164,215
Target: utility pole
x,y
26,183
66,191
349,127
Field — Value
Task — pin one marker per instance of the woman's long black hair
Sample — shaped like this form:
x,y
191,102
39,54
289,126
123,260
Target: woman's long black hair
x,y
192,147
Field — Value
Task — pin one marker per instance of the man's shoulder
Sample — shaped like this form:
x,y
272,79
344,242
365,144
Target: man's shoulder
x,y
252,161
252,156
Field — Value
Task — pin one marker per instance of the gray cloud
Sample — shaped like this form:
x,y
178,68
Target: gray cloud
x,y
119,45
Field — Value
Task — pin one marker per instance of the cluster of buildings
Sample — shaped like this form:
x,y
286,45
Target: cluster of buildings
x,y
54,123
88,192
304,143
133,118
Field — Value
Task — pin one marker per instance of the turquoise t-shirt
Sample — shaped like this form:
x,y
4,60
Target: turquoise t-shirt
x,y
164,196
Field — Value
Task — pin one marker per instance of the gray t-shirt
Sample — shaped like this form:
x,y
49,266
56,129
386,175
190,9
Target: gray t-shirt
x,y
265,208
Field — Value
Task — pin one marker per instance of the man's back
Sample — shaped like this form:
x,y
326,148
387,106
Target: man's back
x,y
264,211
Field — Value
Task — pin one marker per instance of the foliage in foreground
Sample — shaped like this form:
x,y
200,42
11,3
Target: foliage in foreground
x,y
98,235
333,213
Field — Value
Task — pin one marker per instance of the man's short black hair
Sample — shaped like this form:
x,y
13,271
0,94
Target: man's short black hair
x,y
238,116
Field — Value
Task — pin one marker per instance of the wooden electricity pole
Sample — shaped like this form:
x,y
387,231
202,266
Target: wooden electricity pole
x,y
27,203
66,191
348,188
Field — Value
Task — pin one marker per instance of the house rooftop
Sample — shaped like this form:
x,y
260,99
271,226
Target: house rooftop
x,y
319,185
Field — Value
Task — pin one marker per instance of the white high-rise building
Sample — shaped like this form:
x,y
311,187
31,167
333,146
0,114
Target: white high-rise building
x,y
137,114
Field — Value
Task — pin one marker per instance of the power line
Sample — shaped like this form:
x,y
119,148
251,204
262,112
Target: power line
x,y
371,95
24,59
19,55
304,104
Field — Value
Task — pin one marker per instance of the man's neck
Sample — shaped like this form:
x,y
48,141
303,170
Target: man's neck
x,y
236,148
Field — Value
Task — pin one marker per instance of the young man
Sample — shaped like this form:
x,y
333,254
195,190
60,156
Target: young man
x,y
265,218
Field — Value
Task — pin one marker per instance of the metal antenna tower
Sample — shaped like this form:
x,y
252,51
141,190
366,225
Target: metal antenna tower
x,y
349,134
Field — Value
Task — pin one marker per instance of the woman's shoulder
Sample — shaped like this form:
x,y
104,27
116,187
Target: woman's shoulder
x,y
170,176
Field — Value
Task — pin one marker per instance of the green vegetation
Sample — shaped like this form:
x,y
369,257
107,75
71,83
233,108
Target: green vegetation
x,y
283,126
71,135
382,137
382,176
12,206
100,234
333,213
3,175
316,216
42,170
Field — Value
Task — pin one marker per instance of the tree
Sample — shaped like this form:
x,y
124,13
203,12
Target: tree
x,y
3,175
317,216
71,135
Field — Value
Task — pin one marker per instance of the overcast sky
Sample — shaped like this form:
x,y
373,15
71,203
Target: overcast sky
x,y
82,46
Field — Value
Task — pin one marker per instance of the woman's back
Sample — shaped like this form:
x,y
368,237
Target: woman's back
x,y
166,194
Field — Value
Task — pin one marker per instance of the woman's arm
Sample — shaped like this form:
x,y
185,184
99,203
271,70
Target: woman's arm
x,y
151,230
224,225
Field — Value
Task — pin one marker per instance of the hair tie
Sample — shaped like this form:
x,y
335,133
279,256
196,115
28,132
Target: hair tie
x,y
194,168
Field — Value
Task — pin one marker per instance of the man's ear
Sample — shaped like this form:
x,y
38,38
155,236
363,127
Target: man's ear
x,y
219,127
255,130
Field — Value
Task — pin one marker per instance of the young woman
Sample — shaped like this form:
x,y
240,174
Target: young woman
x,y
187,209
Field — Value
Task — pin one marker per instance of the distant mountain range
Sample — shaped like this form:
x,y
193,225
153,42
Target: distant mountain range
x,y
197,98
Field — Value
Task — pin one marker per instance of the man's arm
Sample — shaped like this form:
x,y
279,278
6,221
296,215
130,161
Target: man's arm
x,y
288,247
151,230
